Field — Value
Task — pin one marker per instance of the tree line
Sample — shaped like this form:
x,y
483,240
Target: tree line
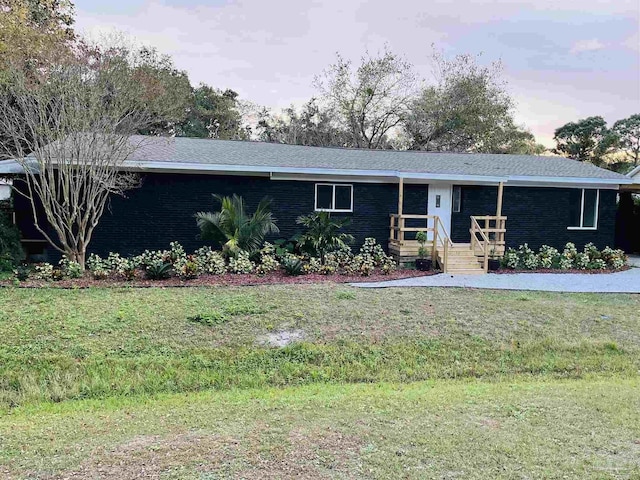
x,y
378,103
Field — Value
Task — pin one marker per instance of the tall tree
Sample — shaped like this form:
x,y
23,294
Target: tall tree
x,y
587,140
371,100
71,133
33,32
212,114
627,132
312,125
467,110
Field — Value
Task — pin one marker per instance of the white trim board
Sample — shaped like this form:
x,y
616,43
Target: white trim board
x,y
378,176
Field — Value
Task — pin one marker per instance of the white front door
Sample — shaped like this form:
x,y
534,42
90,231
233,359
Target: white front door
x,y
439,203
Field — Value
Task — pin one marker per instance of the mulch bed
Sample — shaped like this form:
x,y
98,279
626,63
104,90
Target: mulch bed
x,y
229,279
506,271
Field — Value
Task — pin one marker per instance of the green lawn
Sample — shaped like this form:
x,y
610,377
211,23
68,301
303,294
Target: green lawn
x,y
393,383
444,429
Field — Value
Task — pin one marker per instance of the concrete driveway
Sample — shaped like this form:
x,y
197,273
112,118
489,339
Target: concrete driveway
x,y
627,281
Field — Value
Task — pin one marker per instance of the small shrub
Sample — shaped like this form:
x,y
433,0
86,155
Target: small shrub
x,y
292,265
372,256
187,269
158,270
43,271
592,252
11,252
361,265
268,260
209,262
314,265
581,261
241,263
615,259
547,256
510,259
527,258
69,268
597,264
22,272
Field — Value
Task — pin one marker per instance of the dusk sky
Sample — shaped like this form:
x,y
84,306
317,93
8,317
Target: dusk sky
x,y
564,60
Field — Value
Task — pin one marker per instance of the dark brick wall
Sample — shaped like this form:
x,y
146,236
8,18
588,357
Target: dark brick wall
x,y
536,216
162,210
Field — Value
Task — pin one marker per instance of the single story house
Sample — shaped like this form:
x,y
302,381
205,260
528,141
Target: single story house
x,y
474,205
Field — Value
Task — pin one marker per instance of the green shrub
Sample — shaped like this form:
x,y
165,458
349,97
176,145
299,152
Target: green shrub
x,y
292,265
69,268
241,263
268,261
323,234
43,271
158,270
549,257
234,228
11,252
209,262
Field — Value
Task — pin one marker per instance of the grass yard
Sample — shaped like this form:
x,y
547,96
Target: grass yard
x,y
443,429
393,383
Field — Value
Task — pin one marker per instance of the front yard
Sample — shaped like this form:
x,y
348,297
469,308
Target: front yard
x,y
179,383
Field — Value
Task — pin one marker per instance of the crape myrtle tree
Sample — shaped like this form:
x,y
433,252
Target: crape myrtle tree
x,y
70,130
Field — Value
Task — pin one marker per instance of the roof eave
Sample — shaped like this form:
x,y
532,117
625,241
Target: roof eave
x,y
391,174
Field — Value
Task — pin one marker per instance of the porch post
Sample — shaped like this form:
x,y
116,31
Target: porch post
x,y
499,209
499,223
400,202
400,195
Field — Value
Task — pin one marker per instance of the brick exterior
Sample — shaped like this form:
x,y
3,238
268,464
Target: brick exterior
x,y
162,210
536,216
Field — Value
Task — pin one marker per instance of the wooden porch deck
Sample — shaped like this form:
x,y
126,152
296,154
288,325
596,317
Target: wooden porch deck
x,y
486,241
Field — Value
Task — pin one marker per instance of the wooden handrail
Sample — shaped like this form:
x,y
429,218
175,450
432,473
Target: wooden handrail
x,y
475,228
439,234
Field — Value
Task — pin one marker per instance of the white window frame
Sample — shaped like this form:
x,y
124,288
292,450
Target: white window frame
x,y
581,227
333,197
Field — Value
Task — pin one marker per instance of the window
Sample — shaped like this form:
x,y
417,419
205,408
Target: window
x,y
583,209
334,197
456,202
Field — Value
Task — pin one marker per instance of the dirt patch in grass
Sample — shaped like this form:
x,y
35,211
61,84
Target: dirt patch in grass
x,y
228,279
152,457
302,455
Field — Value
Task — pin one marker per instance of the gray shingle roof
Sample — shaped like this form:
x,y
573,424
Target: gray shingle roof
x,y
258,154
192,154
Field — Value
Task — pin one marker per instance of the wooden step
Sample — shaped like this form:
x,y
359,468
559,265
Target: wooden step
x,y
459,263
463,271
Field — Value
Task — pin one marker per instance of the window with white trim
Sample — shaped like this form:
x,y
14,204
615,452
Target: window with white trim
x,y
334,197
583,209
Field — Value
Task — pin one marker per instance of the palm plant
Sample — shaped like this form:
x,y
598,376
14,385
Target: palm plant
x,y
234,228
323,235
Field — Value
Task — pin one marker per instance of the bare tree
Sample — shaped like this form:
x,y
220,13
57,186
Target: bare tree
x,y
371,101
72,134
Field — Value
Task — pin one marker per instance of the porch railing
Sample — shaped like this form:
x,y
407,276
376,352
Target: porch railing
x,y
438,239
487,237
